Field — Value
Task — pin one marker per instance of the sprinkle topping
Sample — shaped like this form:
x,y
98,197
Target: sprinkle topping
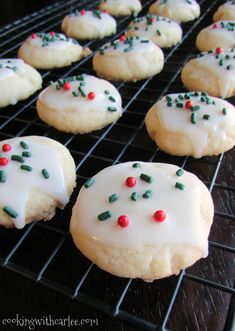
x,y
123,221
3,161
67,86
130,181
6,147
159,216
91,95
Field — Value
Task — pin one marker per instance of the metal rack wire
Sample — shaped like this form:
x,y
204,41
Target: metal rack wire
x,y
207,287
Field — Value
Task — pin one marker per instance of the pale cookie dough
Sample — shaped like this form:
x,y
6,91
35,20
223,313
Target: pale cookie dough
x,y
212,71
18,81
143,220
192,123
128,59
177,10
121,7
161,30
79,104
89,24
51,50
220,34
225,11
37,175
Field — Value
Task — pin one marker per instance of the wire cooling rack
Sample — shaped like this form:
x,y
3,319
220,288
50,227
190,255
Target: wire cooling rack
x,y
199,298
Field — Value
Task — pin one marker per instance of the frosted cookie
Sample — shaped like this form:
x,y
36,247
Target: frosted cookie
x,y
121,7
148,220
225,11
161,30
220,34
89,24
37,175
79,104
51,50
177,10
192,124
128,59
212,71
18,81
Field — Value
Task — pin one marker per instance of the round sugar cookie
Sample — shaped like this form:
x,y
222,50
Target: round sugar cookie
x,y
225,11
37,175
89,24
79,104
161,30
177,10
212,71
192,123
148,220
128,59
220,34
50,50
18,81
121,7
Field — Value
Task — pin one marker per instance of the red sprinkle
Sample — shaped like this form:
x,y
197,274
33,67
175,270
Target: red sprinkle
x,y
159,216
6,147
215,26
130,181
188,104
34,35
219,50
67,86
3,161
123,221
52,33
151,19
91,95
122,38
83,12
105,12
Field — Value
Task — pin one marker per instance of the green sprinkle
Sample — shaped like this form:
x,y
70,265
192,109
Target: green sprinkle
x,y
136,165
168,98
169,104
179,105
106,92
75,94
221,62
17,158
187,96
158,32
10,212
148,194
224,111
104,216
146,178
195,108
3,176
193,118
26,154
26,167
180,186
196,94
206,117
45,173
229,67
144,41
179,172
83,94
113,198
112,99
112,109
24,145
135,196
89,182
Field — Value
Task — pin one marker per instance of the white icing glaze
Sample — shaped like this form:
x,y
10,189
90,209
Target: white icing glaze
x,y
137,47
174,4
230,5
127,3
57,44
179,119
93,21
209,62
227,36
15,191
61,100
6,72
165,26
181,226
